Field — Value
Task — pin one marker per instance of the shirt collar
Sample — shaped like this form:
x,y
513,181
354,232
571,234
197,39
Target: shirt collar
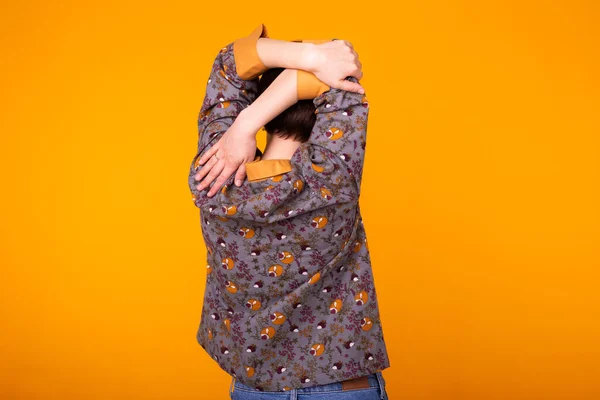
x,y
260,169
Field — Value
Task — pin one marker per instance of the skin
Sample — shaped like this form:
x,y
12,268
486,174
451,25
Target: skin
x,y
331,62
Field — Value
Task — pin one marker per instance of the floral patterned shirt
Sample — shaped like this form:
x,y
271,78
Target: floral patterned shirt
x,y
290,300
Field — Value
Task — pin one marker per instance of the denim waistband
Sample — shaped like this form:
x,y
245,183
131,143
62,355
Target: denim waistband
x,y
375,381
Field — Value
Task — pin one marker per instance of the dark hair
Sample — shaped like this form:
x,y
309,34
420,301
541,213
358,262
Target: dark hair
x,y
294,122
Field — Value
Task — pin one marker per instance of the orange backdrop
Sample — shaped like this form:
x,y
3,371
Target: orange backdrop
x,y
480,197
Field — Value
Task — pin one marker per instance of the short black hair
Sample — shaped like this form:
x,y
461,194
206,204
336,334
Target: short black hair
x,y
296,121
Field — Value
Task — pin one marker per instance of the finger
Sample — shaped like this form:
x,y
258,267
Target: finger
x,y
214,172
205,169
223,176
210,177
209,153
240,175
352,87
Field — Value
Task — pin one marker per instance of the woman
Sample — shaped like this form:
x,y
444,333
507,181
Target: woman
x,y
290,305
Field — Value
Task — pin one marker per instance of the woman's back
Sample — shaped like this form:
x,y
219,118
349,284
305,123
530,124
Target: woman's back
x,y
290,299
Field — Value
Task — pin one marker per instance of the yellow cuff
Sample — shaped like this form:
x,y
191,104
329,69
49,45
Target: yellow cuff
x,y
248,64
309,86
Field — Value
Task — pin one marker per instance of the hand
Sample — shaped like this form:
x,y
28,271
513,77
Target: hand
x,y
333,61
236,147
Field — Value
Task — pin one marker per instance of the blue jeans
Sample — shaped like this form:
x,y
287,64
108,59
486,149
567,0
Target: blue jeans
x,y
329,391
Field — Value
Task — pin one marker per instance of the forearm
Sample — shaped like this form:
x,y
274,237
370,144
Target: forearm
x,y
283,54
280,95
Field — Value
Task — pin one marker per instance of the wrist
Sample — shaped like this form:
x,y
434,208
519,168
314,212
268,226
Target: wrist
x,y
309,57
246,123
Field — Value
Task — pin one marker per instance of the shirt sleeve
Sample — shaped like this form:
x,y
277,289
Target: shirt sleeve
x,y
309,86
341,128
232,86
249,65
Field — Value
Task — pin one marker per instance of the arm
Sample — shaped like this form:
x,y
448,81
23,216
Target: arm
x,y
341,127
263,52
237,146
233,82
279,96
231,88
238,65
228,93
312,59
256,53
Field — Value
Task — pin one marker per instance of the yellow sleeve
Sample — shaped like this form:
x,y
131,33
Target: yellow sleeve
x,y
309,86
248,64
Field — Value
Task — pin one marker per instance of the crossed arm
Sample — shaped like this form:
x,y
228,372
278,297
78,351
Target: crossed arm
x,y
231,114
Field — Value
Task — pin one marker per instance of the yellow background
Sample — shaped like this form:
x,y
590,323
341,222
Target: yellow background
x,y
480,197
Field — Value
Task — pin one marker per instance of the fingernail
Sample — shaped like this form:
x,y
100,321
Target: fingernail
x,y
361,91
238,182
